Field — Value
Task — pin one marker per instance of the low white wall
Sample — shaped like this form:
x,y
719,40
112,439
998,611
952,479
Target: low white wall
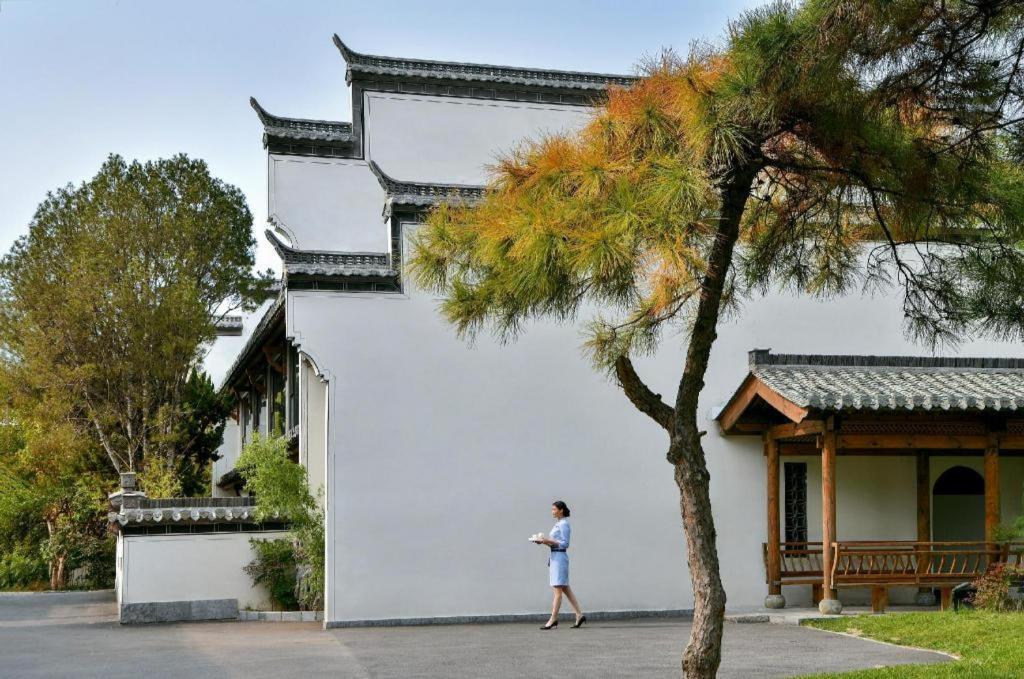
x,y
189,567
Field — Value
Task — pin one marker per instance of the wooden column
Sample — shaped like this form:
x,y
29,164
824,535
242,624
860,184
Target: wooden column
x,y
924,513
924,498
828,509
771,452
991,487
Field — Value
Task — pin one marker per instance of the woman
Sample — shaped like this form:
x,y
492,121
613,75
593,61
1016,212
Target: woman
x,y
558,565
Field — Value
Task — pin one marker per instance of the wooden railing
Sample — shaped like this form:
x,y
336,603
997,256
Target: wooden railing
x,y
799,562
917,563
892,562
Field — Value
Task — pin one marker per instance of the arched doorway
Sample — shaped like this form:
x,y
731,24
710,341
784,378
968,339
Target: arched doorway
x,y
958,506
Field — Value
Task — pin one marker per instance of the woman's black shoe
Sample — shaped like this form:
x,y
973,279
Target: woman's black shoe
x,y
579,623
551,626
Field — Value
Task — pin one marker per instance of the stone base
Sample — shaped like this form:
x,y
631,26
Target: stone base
x,y
686,613
830,607
775,601
178,611
925,599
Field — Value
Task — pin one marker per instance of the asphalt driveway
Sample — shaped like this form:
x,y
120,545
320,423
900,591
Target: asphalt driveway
x,y
76,635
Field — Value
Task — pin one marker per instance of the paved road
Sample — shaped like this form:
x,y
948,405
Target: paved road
x,y
76,635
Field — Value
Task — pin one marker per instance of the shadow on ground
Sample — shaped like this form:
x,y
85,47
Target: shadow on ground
x,y
76,634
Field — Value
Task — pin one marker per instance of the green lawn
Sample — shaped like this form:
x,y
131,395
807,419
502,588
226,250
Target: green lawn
x,y
989,644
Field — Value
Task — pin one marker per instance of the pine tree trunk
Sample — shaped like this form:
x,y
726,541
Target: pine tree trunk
x,y
703,653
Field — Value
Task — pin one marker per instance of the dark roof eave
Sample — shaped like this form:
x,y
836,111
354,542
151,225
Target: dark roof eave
x,y
359,63
419,195
270,321
303,129
828,384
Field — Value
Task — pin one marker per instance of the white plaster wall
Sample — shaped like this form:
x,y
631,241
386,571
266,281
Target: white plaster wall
x,y
229,451
1011,480
327,204
445,456
452,140
119,568
190,568
313,426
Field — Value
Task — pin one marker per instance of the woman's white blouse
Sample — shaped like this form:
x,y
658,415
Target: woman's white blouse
x,y
561,533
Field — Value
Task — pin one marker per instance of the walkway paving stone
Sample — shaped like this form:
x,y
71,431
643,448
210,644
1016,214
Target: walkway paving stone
x,y
76,635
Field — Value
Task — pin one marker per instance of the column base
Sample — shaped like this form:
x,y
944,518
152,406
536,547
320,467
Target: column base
x,y
775,601
830,607
925,599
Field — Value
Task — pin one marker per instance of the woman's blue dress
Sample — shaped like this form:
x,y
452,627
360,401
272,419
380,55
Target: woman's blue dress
x,y
558,563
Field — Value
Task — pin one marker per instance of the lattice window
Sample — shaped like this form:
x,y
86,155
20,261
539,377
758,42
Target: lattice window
x,y
796,501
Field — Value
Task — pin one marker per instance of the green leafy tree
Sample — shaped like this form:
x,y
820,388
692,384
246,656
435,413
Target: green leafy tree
x,y
281,488
108,302
780,158
53,508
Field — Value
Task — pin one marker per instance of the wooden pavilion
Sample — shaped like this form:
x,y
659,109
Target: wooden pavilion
x,y
870,406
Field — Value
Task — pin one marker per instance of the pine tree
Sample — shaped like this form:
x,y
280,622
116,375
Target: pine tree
x,y
784,157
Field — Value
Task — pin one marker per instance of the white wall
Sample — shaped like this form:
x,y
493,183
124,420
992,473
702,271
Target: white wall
x,y
445,456
327,204
229,451
452,140
189,568
313,426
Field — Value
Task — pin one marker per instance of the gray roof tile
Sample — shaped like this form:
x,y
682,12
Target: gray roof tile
x,y
892,383
450,70
302,129
323,263
418,195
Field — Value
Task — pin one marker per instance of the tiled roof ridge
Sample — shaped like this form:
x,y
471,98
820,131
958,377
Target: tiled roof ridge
x,y
302,128
421,192
290,255
763,358
452,70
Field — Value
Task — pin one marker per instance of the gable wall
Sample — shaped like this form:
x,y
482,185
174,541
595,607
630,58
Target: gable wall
x,y
448,454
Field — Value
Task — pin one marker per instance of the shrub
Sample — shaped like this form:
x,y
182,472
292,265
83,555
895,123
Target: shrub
x,y
995,588
281,488
96,559
23,568
274,568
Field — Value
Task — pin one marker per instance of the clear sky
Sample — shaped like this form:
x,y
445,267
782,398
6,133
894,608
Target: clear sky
x,y
148,79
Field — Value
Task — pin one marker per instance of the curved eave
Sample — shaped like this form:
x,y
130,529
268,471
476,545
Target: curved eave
x,y
324,263
459,71
302,129
419,195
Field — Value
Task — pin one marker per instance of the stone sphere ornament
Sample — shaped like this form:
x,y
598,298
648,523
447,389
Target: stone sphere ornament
x,y
775,601
830,607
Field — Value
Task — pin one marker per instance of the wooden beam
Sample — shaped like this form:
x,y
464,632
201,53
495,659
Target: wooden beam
x,y
828,510
992,488
255,383
269,353
789,449
793,429
750,389
771,450
912,441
